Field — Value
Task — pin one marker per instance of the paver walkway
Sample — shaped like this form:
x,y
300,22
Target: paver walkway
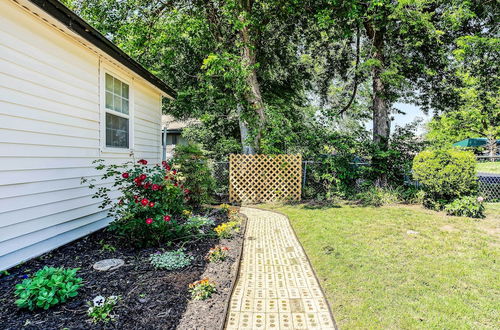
x,y
276,288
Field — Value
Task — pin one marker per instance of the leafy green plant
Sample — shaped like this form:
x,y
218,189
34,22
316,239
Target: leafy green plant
x,y
202,289
107,247
100,308
197,177
226,229
217,253
466,206
170,260
445,174
151,198
48,287
379,196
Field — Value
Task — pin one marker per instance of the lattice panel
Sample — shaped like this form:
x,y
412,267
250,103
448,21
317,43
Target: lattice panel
x,y
264,178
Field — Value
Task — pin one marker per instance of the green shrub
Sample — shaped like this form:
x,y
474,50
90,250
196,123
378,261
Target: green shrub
x,y
445,174
196,174
150,198
48,287
170,260
466,206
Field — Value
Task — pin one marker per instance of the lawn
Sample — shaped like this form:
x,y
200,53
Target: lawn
x,y
376,274
489,167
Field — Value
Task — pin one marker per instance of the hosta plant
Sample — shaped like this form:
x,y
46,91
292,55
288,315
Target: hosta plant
x,y
170,260
470,206
217,253
202,289
48,287
100,308
145,201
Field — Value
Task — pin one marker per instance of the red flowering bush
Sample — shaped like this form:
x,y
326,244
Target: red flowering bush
x,y
150,201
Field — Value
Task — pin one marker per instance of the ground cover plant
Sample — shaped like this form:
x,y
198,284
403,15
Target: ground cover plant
x,y
402,266
100,308
170,260
202,289
468,206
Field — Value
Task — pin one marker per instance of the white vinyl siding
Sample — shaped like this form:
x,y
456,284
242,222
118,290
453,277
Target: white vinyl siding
x,y
51,131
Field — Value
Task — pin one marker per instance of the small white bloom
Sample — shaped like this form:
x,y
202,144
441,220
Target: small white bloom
x,y
480,199
98,301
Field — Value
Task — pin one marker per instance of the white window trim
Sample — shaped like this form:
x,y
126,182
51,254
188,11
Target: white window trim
x,y
102,107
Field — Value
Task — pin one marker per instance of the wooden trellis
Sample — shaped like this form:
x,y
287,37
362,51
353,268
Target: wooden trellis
x,y
264,178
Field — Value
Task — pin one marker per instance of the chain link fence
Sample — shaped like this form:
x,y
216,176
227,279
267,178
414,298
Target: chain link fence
x,y
317,183
489,187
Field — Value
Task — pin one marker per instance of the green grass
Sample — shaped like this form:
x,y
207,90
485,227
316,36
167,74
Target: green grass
x,y
376,275
489,167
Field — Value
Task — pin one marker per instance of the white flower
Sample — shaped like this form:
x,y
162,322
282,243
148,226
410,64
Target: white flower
x,y
480,199
98,301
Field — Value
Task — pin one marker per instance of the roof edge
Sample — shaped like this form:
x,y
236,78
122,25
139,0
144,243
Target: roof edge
x,y
78,25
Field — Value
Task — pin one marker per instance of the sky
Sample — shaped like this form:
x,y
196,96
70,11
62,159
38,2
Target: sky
x,y
412,112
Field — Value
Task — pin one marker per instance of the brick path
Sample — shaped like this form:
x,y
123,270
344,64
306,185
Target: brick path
x,y
276,288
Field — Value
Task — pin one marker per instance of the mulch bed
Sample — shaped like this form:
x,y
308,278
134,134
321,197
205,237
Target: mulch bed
x,y
151,298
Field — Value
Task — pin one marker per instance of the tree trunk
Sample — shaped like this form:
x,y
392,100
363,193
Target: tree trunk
x,y
492,145
253,95
246,147
380,106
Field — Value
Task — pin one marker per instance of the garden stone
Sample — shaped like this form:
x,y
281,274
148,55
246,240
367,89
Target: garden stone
x,y
108,264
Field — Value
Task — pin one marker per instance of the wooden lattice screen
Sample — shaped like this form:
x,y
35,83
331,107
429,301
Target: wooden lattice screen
x,y
264,178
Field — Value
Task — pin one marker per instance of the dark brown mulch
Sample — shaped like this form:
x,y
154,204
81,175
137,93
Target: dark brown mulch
x,y
151,299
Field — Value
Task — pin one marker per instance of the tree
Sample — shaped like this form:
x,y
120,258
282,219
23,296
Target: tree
x,y
401,47
478,111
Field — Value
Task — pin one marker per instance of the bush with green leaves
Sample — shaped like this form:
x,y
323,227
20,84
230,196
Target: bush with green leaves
x,y
150,200
199,222
445,174
197,177
170,260
468,206
48,287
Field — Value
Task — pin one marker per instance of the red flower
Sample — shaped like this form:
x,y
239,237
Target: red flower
x,y
167,167
142,177
143,162
175,184
155,187
120,202
125,175
147,185
144,202
151,204
174,172
137,180
149,221
166,218
187,191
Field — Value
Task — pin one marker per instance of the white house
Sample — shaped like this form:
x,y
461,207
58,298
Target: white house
x,y
172,133
68,96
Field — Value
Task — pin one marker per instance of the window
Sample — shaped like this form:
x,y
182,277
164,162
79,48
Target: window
x,y
174,139
117,113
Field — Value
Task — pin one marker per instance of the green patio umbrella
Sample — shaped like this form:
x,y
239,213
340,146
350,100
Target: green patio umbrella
x,y
472,142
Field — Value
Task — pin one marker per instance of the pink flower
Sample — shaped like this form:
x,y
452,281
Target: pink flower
x,y
187,191
143,162
167,218
125,175
149,221
480,199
